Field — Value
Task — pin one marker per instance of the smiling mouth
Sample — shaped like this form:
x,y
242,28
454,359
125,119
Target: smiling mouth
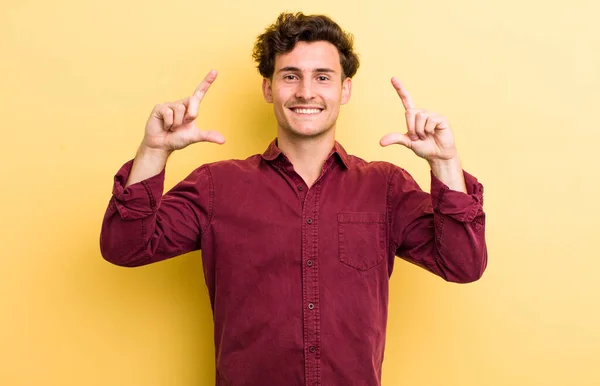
x,y
306,111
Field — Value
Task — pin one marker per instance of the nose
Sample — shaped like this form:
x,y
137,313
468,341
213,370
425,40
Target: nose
x,y
305,89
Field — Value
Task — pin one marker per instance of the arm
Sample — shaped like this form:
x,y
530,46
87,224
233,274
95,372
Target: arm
x,y
450,173
141,226
442,232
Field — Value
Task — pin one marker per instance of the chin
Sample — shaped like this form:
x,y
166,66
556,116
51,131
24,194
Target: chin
x,y
309,132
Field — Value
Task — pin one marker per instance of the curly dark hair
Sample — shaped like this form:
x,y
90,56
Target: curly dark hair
x,y
281,37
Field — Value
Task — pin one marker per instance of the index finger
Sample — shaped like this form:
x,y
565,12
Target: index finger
x,y
194,101
403,94
205,85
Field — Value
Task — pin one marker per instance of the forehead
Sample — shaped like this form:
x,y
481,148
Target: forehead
x,y
310,55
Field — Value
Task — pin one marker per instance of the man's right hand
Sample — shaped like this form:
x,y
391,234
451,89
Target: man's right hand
x,y
172,125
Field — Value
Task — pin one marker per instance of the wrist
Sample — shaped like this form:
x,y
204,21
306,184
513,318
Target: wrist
x,y
449,172
147,152
148,162
445,165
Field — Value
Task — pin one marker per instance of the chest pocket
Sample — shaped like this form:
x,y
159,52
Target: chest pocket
x,y
361,237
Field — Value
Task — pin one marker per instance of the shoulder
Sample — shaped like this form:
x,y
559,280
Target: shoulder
x,y
395,176
372,167
232,167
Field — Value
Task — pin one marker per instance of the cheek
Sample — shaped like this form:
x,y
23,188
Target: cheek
x,y
333,102
282,94
334,96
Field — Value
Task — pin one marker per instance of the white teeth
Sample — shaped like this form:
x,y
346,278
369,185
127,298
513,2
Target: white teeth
x,y
307,111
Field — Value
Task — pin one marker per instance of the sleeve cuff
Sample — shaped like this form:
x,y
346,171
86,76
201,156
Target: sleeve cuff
x,y
464,207
140,199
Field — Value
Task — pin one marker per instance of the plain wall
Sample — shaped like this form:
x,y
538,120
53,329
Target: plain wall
x,y
518,80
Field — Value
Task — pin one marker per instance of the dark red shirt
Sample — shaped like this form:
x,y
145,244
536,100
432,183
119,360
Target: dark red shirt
x,y
297,277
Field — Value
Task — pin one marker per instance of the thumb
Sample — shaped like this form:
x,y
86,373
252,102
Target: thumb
x,y
396,138
208,136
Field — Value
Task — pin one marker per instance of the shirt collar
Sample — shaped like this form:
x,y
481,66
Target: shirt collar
x,y
273,153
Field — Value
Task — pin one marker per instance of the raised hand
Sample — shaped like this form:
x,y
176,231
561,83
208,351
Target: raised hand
x,y
172,125
428,134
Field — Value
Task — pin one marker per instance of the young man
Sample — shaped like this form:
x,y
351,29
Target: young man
x,y
298,243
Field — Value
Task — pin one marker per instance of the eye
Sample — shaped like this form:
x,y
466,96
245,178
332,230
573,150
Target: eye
x,y
323,78
290,77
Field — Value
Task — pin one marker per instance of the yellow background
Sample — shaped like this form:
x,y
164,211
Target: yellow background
x,y
519,81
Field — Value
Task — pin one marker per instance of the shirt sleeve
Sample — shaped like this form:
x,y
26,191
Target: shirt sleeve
x,y
143,226
443,232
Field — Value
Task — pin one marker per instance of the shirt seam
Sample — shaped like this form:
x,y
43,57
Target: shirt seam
x,y
154,208
211,200
317,357
440,198
389,206
153,203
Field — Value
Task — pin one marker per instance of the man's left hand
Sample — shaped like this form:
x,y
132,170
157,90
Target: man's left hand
x,y
428,134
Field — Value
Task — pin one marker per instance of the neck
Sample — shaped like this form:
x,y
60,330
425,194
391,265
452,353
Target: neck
x,y
306,154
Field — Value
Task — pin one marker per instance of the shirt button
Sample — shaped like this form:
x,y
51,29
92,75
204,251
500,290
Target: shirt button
x,y
311,306
309,221
300,187
309,263
312,349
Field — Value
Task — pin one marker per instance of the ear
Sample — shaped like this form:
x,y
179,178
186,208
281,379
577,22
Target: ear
x,y
346,90
267,91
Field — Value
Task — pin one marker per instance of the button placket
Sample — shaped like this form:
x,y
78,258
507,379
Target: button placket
x,y
310,283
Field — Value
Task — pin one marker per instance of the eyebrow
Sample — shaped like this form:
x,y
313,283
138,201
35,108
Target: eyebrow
x,y
296,69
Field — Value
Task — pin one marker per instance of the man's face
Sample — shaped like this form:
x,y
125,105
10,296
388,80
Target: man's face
x,y
307,89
